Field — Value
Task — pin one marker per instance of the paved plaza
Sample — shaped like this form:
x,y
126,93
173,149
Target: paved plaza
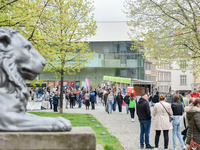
x,y
120,126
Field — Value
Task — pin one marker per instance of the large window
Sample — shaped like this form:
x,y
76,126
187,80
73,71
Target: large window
x,y
183,79
164,88
183,65
164,76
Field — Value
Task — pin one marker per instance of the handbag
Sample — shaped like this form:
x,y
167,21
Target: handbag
x,y
170,117
193,145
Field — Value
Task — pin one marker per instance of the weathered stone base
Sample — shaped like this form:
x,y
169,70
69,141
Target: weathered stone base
x,y
80,138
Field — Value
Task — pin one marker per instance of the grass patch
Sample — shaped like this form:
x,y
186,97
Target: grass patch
x,y
108,141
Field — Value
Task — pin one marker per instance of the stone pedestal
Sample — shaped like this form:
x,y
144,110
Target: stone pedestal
x,y
80,138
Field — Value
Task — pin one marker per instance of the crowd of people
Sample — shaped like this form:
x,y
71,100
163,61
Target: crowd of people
x,y
166,112
167,117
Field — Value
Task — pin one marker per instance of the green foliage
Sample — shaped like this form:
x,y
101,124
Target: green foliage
x,y
108,141
58,29
168,29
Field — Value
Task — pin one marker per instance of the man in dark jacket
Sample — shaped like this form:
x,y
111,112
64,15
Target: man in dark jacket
x,y
144,116
119,100
92,99
55,102
155,98
72,98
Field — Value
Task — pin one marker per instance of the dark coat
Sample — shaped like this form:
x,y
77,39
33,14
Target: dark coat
x,y
92,97
177,109
55,99
127,99
101,94
155,99
105,97
190,112
119,99
72,97
143,110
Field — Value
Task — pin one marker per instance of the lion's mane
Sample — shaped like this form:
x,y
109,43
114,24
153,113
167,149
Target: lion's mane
x,y
9,75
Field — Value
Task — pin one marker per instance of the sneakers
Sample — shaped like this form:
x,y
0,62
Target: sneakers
x,y
132,120
149,147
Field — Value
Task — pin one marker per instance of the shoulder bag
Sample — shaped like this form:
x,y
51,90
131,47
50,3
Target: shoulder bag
x,y
170,117
193,145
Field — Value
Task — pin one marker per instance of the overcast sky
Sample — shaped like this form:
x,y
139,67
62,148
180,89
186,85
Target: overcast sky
x,y
109,10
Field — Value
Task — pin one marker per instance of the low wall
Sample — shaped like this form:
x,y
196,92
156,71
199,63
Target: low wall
x,y
79,138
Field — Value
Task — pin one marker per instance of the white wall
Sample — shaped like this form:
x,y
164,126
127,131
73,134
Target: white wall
x,y
175,80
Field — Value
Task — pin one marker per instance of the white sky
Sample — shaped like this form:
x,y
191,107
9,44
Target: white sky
x,y
109,10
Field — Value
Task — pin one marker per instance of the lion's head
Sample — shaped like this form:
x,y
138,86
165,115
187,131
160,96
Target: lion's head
x,y
18,61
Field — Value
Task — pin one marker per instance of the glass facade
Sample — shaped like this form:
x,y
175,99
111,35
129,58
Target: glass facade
x,y
111,59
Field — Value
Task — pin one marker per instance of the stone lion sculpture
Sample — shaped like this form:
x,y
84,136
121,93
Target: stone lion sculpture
x,y
20,61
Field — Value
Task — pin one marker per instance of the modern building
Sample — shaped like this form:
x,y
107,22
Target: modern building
x,y
113,56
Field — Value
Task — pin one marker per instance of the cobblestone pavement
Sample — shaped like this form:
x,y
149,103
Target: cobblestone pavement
x,y
120,126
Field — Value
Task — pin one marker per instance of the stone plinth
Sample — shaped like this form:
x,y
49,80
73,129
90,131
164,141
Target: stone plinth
x,y
80,138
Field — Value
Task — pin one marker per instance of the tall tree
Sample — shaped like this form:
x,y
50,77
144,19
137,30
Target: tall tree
x,y
58,29
66,28
168,29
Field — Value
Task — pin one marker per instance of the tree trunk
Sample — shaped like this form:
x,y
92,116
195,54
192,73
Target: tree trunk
x,y
61,92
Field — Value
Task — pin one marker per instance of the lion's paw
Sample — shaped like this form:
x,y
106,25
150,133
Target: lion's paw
x,y
62,124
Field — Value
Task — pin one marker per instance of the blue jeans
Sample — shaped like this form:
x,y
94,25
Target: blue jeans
x,y
100,100
120,107
150,104
110,107
74,103
145,126
79,102
177,132
114,106
127,108
103,103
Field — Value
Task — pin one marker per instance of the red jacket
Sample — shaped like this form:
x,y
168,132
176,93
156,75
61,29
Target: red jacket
x,y
194,94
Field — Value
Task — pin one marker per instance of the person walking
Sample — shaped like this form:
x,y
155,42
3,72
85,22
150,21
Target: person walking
x,y
115,102
126,100
132,103
67,99
193,117
178,109
119,100
55,102
92,99
51,99
100,96
144,116
79,99
161,122
71,98
105,97
110,102
87,100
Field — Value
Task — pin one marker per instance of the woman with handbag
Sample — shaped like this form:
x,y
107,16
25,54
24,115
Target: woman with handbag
x,y
161,111
193,117
178,109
